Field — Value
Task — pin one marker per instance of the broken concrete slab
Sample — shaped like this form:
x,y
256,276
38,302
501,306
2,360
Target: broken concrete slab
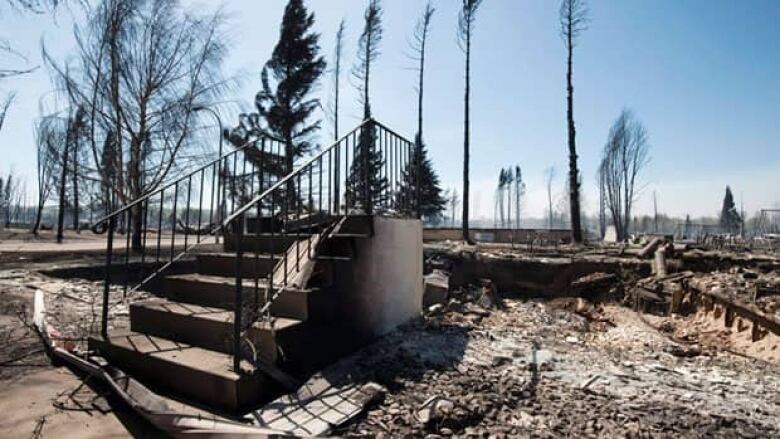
x,y
434,409
489,297
436,288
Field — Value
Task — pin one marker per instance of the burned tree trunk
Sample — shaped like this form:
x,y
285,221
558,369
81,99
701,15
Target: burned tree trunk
x,y
573,20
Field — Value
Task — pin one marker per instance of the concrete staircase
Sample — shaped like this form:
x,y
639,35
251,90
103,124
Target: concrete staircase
x,y
180,343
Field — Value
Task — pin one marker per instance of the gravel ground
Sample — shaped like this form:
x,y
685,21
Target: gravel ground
x,y
536,370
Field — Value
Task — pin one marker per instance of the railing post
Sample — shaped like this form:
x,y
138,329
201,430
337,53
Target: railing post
x,y
368,140
262,168
336,178
107,278
417,154
239,231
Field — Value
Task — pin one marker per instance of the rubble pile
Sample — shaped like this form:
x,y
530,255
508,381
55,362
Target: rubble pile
x,y
74,305
737,309
747,286
485,364
530,368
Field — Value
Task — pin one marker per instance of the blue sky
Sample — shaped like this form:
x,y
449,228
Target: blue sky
x,y
700,74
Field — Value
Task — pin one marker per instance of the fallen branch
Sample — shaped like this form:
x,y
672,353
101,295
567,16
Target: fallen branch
x,y
21,357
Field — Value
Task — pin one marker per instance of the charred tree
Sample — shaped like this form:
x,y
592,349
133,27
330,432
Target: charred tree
x,y
49,138
365,184
453,200
625,155
338,55
549,176
140,71
4,106
75,125
573,21
420,192
466,20
519,193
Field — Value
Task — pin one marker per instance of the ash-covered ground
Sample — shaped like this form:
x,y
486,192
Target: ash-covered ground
x,y
39,399
474,367
559,369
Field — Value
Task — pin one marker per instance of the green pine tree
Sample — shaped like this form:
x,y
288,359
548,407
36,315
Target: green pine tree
x,y
432,201
360,174
730,219
285,103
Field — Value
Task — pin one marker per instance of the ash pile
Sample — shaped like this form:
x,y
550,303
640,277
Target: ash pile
x,y
486,364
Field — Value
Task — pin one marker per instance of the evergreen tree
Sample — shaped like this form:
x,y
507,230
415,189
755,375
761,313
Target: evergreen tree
x,y
432,201
285,104
365,180
730,219
367,170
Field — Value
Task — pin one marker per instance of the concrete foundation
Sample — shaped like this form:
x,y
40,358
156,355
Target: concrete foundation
x,y
386,282
506,236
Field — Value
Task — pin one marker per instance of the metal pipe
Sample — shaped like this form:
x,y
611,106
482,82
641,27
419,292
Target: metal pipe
x,y
107,279
237,301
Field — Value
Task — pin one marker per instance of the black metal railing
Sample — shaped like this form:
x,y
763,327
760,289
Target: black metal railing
x,y
369,171
148,235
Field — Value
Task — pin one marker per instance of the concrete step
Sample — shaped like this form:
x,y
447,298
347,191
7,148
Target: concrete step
x,y
306,221
224,264
356,224
341,245
262,243
219,292
209,327
197,375
327,269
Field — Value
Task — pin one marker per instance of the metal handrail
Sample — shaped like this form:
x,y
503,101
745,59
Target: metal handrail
x,y
241,211
161,187
198,199
303,167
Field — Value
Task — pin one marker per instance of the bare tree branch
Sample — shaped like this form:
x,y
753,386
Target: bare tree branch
x,y
4,106
625,155
140,71
574,16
